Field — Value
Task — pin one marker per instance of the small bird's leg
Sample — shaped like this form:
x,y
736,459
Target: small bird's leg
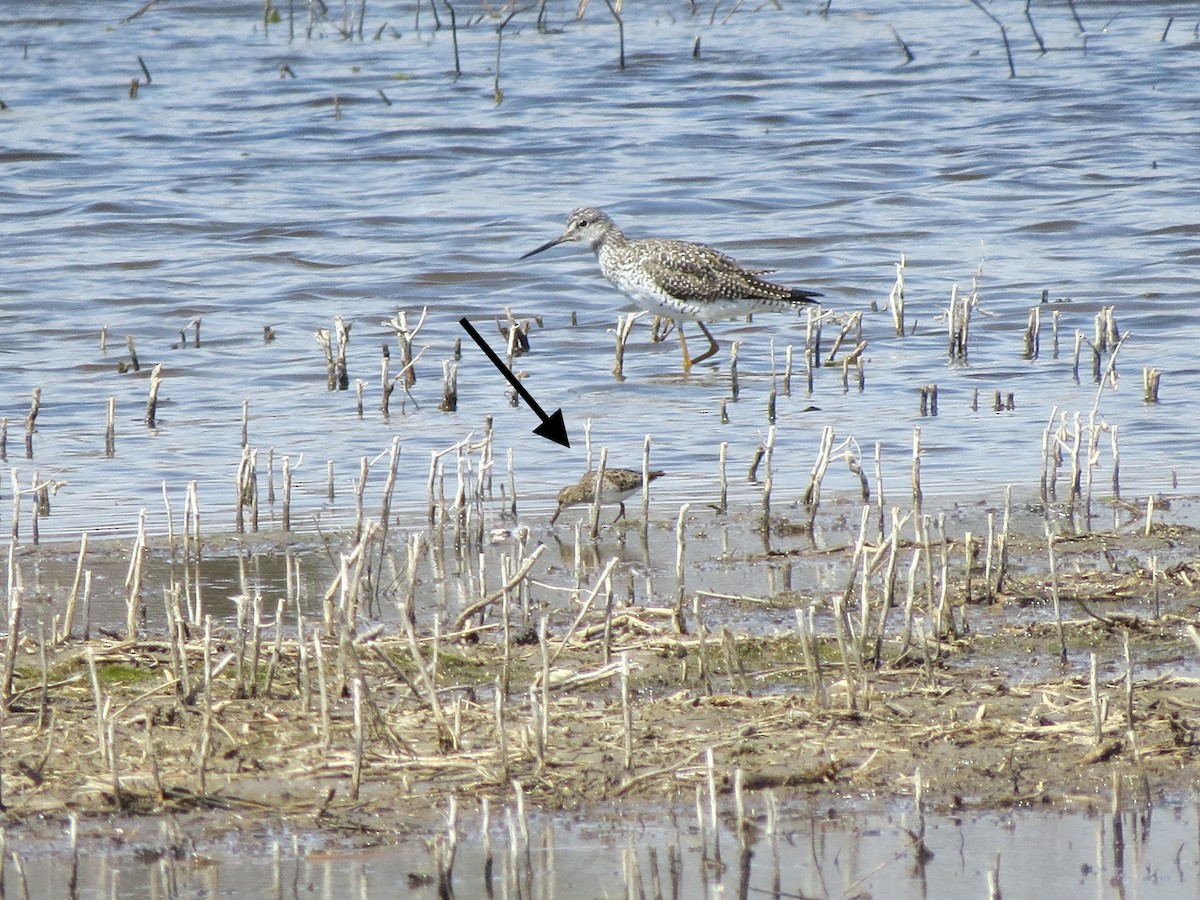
x,y
621,514
712,343
687,362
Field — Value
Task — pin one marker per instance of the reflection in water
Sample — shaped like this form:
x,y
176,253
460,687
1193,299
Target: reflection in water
x,y
771,849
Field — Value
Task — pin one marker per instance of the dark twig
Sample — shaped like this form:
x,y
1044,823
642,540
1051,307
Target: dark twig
x,y
1078,21
903,46
620,32
1012,72
454,38
143,9
1037,37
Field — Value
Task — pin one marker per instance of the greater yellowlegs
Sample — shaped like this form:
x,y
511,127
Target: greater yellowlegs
x,y
677,279
618,486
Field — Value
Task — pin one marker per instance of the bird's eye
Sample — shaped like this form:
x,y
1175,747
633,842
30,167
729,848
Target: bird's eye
x,y
582,223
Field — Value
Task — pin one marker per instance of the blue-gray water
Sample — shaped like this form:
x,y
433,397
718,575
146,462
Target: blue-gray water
x,y
231,191
263,179
829,850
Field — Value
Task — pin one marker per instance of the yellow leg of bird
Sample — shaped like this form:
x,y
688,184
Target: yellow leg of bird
x,y
712,343
687,361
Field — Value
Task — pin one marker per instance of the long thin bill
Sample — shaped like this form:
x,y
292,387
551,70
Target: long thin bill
x,y
545,246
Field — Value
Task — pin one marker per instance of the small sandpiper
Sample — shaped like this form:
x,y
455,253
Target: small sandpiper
x,y
677,279
619,485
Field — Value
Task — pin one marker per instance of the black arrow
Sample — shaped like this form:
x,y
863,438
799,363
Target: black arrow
x,y
552,428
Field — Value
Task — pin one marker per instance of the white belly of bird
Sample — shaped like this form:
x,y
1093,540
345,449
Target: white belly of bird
x,y
663,304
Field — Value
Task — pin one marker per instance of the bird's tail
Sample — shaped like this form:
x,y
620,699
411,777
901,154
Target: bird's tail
x,y
800,295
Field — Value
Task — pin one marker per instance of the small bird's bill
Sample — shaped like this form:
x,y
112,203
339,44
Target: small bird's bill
x,y
545,246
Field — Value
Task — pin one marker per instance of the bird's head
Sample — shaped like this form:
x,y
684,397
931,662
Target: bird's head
x,y
589,225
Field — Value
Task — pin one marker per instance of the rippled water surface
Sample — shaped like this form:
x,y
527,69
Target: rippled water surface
x,y
272,177
827,852
266,177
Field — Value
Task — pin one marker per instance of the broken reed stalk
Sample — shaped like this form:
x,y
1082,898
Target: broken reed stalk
x,y
768,480
1150,380
1049,468
811,651
325,339
812,345
133,580
680,547
356,690
896,297
623,330
584,608
322,687
342,333
497,93
616,14
812,494
385,510
626,713
1054,596
853,321
12,640
734,386
152,402
1127,653
427,674
501,731
959,319
449,387
594,519
916,470
929,400
16,506
723,505
386,385
759,453
286,511
192,576
513,581
360,488
68,620
454,39
879,483
110,427
1012,72
645,486
1033,333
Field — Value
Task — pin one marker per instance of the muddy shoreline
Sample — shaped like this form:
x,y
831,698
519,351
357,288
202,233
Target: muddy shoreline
x,y
336,732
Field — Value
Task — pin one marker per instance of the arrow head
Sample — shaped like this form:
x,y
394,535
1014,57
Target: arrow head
x,y
554,429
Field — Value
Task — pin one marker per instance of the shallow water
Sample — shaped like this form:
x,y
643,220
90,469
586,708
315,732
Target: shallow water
x,y
268,178
841,850
232,192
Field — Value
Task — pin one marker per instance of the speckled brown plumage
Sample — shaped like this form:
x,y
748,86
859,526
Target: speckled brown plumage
x,y
681,280
618,486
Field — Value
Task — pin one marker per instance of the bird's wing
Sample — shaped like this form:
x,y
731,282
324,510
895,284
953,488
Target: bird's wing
x,y
689,271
